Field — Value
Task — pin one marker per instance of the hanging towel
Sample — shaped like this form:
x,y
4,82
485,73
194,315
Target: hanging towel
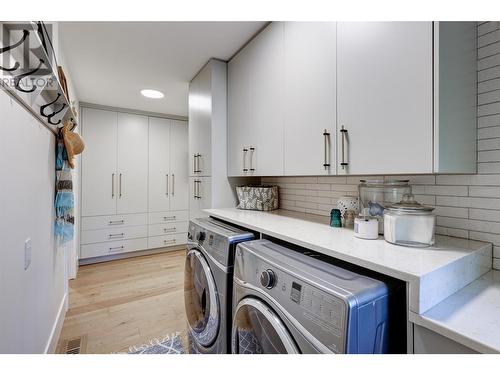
x,y
64,201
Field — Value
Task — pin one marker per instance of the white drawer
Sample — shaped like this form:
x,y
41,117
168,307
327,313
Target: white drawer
x,y
165,217
110,248
113,234
165,241
102,222
168,228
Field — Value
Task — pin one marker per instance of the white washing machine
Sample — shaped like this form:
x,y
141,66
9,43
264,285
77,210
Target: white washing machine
x,y
208,283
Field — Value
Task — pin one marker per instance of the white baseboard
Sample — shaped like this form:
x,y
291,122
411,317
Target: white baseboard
x,y
51,346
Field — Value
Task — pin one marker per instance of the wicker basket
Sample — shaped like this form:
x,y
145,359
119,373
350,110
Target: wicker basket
x,y
257,197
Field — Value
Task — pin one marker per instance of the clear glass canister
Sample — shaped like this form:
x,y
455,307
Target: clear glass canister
x,y
408,223
379,194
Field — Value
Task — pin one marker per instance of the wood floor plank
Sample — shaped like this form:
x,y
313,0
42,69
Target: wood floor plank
x,y
127,302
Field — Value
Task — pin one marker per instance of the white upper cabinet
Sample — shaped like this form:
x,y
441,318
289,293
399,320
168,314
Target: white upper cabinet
x,y
255,122
200,111
384,96
132,163
240,131
365,97
178,160
265,155
159,164
99,175
309,98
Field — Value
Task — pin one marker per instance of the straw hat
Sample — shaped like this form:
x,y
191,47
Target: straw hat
x,y
73,143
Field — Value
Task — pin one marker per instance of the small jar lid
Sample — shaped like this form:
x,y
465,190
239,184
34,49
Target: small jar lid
x,y
409,204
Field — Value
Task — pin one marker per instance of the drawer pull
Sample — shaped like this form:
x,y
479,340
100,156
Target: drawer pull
x,y
116,249
169,218
169,242
116,235
115,222
169,229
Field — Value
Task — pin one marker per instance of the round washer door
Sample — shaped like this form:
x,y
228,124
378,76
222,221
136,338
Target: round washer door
x,y
200,298
258,330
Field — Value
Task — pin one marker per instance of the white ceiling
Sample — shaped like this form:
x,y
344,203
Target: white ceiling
x,y
110,62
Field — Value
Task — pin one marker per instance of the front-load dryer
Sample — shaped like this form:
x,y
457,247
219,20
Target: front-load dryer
x,y
287,302
208,283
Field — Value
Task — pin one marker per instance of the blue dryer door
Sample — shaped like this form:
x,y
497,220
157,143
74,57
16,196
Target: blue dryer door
x,y
258,330
200,298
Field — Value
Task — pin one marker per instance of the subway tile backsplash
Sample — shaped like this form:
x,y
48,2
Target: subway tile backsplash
x,y
467,206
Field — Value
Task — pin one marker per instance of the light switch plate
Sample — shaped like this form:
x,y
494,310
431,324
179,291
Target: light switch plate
x,y
27,253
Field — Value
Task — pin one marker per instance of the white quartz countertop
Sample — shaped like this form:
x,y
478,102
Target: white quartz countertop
x,y
471,316
432,274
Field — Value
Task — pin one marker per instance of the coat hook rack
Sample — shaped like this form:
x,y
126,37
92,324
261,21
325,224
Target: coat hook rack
x,y
42,108
18,78
49,117
8,48
74,124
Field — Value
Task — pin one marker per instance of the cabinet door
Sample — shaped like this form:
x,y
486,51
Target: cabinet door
x,y
200,196
266,101
240,131
384,97
132,163
159,164
178,165
99,179
310,98
200,111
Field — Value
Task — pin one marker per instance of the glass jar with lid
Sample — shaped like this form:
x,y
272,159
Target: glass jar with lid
x,y
377,194
408,223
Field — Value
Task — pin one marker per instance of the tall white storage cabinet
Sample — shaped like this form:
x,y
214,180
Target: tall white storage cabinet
x,y
209,186
134,183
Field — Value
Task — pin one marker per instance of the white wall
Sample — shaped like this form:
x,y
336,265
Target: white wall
x,y
467,206
32,300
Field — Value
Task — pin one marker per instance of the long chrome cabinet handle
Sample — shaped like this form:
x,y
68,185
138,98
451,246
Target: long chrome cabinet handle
x,y
166,185
169,242
326,163
343,133
199,194
113,249
252,151
116,235
195,189
245,150
173,184
116,222
120,186
194,163
112,185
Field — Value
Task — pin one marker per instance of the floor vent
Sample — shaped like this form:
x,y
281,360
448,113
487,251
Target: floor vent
x,y
75,345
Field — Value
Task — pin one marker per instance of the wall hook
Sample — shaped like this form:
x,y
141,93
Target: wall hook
x,y
18,78
42,108
8,48
49,117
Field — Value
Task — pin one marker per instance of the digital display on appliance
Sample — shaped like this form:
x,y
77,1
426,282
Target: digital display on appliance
x,y
295,292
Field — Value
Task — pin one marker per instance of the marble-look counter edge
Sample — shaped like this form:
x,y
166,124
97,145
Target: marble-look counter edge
x,y
419,301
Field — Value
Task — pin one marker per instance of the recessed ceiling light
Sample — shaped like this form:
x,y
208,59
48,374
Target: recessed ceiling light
x,y
153,94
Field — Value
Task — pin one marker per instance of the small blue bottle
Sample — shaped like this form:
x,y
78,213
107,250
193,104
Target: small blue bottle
x,y
335,219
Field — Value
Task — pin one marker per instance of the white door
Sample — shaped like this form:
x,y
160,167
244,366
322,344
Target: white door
x,y
99,174
310,98
178,165
200,102
384,97
240,130
159,164
200,196
132,163
266,101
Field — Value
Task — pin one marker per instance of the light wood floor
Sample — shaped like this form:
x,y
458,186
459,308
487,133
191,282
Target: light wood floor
x,y
121,303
